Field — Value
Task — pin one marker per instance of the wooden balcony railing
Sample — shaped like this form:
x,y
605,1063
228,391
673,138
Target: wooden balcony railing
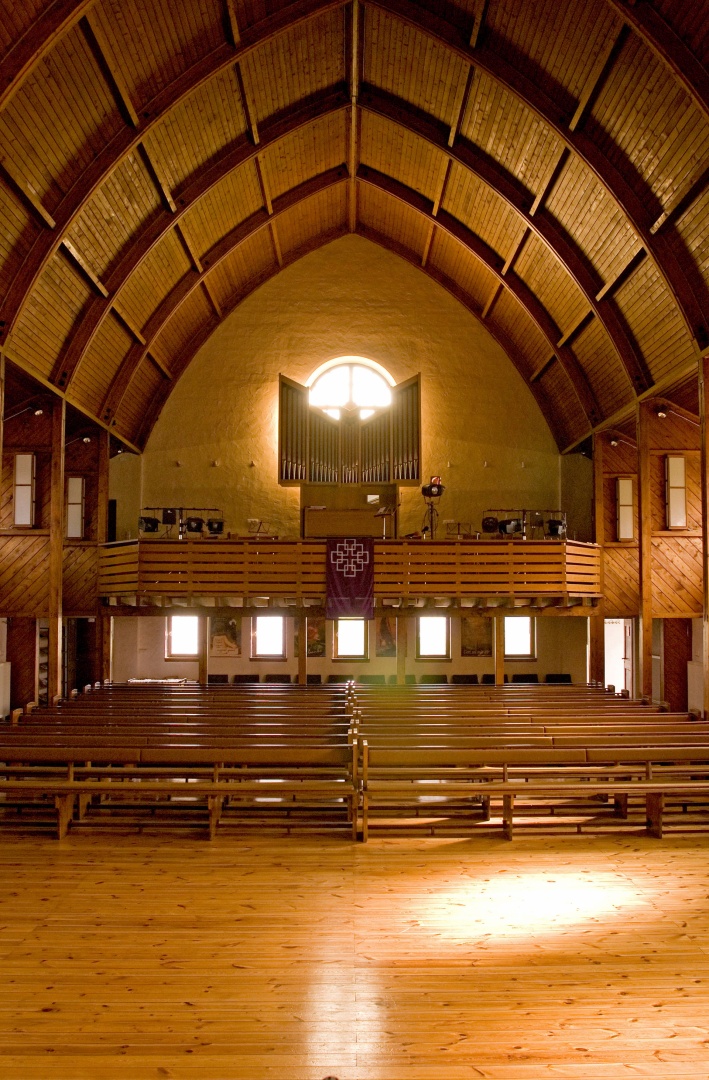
x,y
296,568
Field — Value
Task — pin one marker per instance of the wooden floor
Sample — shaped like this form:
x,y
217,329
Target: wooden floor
x,y
154,956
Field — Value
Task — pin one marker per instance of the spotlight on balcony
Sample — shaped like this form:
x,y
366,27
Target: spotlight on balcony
x,y
194,524
148,524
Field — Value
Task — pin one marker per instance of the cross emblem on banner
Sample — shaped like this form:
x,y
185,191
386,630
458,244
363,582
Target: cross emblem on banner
x,y
350,558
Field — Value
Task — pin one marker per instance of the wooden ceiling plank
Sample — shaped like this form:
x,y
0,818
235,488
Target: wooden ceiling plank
x,y
211,296
680,279
622,276
490,302
86,270
479,22
276,244
598,77
247,106
239,154
233,23
37,42
125,141
551,182
537,312
110,70
656,32
542,369
224,247
154,359
128,323
188,248
460,104
161,185
516,251
679,205
427,244
520,200
22,188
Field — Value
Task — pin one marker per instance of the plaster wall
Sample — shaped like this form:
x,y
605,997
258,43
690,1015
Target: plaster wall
x,y
482,430
139,651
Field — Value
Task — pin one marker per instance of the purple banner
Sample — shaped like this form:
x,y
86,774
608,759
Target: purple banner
x,y
350,578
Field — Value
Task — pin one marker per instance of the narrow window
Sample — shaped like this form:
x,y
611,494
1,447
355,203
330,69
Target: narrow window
x,y
24,494
675,492
351,639
519,638
182,637
625,516
268,637
75,507
433,637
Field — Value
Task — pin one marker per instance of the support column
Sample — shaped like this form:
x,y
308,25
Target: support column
x,y
302,650
499,650
704,418
56,550
2,398
645,552
402,633
203,676
106,653
596,621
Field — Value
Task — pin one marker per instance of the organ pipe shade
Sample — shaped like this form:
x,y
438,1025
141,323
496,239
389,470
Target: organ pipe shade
x,y
318,449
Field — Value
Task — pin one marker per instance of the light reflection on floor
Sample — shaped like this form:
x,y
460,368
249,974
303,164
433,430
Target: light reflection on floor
x,y
519,905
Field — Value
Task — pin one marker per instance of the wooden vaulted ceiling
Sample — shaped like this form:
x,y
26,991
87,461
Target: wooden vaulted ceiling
x,y
547,161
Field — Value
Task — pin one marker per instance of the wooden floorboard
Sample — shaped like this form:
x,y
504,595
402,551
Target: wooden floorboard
x,y
293,958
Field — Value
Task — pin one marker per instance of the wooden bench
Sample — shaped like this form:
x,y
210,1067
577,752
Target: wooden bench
x,y
400,777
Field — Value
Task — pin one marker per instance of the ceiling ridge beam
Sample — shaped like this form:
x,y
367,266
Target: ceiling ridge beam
x,y
185,198
190,281
354,59
517,287
682,280
520,199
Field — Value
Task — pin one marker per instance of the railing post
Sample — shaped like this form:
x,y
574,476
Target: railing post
x,y
499,650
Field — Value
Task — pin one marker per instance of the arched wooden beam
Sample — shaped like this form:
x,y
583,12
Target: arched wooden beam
x,y
656,32
413,120
37,41
683,282
177,296
521,200
122,144
186,286
494,263
688,295
196,343
243,151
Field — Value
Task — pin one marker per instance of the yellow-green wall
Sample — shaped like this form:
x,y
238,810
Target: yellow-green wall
x,y
482,430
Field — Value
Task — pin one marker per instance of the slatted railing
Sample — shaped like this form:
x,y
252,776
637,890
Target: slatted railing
x,y
401,568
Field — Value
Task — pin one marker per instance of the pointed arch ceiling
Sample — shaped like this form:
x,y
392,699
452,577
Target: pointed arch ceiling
x,y
547,163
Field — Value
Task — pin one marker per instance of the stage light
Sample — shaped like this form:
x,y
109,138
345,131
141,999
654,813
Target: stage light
x,y
194,524
661,412
614,442
148,524
215,526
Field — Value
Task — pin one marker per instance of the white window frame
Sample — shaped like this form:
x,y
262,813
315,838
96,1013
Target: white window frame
x,y
170,654
433,656
75,497
364,655
532,655
676,491
24,464
625,508
255,655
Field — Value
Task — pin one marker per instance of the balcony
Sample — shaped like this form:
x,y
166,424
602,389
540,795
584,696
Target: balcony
x,y
467,572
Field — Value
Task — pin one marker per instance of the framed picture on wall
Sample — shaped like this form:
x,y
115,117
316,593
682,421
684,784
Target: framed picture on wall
x,y
385,635
475,636
316,635
224,636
